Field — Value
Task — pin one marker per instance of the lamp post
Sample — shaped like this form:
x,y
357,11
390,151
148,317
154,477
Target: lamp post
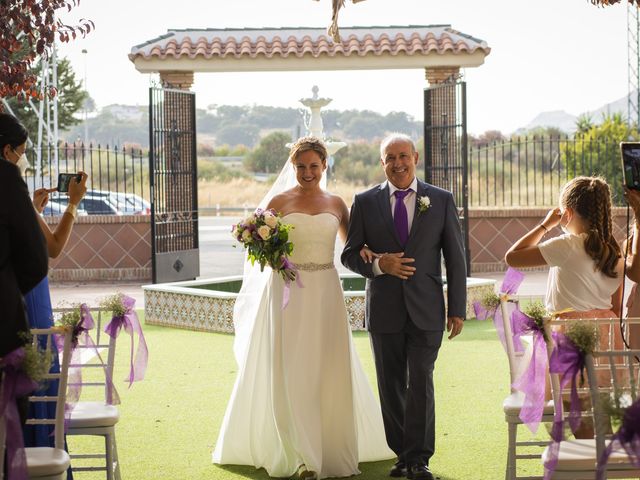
x,y
86,101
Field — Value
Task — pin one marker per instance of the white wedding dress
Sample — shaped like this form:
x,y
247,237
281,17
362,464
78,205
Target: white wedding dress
x,y
301,395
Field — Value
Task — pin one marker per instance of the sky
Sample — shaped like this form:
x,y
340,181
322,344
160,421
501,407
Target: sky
x,y
545,55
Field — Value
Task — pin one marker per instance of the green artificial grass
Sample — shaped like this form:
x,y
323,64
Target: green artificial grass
x,y
169,422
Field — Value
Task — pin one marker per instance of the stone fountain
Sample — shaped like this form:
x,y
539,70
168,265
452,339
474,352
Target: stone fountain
x,y
314,124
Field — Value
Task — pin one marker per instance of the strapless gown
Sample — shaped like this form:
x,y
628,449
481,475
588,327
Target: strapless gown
x,y
302,396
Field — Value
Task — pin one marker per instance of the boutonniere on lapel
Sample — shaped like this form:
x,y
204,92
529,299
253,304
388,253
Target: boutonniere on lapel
x,y
424,203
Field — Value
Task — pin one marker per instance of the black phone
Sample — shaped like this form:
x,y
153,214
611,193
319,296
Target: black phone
x,y
65,178
630,152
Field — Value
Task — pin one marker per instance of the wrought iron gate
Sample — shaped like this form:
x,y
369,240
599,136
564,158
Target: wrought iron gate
x,y
445,146
173,180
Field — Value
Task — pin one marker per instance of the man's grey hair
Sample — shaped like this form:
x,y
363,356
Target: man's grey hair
x,y
396,137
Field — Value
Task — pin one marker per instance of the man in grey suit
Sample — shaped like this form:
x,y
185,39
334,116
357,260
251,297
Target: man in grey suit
x,y
410,224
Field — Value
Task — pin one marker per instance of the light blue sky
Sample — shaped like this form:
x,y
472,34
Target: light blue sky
x,y
546,54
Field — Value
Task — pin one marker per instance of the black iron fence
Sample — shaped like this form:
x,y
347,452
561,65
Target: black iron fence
x,y
118,180
530,171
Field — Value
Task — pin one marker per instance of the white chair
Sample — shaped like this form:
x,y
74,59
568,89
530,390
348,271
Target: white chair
x,y
96,418
577,458
518,361
46,463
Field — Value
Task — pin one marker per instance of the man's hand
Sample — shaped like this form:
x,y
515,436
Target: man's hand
x,y
395,264
454,325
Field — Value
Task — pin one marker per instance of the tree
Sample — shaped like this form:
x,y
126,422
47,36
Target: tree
x,y
596,151
365,127
71,99
270,155
36,23
235,134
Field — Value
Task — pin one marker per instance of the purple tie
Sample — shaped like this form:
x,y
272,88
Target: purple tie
x,y
400,216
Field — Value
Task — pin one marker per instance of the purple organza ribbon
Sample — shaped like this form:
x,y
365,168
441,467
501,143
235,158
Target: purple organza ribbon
x,y
129,321
288,266
532,381
15,384
81,335
568,361
510,284
627,437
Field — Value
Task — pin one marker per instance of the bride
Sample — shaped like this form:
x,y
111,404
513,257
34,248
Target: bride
x,y
301,401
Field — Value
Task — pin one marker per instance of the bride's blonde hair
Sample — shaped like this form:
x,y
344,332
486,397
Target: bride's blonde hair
x,y
304,144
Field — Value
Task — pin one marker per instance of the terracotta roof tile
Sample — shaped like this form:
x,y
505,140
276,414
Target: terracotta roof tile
x,y
357,41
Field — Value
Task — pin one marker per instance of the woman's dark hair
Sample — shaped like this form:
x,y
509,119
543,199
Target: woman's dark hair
x,y
590,197
12,132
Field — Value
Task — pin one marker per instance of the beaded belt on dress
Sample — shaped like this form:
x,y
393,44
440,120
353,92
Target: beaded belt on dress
x,y
314,267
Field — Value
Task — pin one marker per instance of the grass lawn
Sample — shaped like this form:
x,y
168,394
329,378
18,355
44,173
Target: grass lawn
x,y
169,422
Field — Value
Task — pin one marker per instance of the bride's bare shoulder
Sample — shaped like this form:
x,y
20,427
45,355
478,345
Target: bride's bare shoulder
x,y
279,201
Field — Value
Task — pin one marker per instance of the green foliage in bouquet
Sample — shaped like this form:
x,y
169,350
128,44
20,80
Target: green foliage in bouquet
x,y
490,301
537,312
266,239
71,318
584,335
113,303
36,363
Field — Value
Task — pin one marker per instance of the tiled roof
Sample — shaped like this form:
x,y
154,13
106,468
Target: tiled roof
x,y
408,40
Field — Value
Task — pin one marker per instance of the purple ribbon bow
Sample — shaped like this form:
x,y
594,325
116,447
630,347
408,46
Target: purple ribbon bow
x,y
288,266
15,384
81,335
512,280
532,380
627,437
568,361
129,321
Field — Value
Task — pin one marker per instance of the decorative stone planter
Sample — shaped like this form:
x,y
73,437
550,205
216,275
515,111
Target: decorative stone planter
x,y
207,305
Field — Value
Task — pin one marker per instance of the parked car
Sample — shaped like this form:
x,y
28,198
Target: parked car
x,y
56,208
127,203
92,204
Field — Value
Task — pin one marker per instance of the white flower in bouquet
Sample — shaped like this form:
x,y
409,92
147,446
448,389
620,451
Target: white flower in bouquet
x,y
270,219
246,235
264,231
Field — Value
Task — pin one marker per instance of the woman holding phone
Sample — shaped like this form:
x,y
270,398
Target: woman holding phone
x,y
13,143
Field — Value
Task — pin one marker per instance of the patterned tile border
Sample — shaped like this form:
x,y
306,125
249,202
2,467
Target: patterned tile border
x,y
180,305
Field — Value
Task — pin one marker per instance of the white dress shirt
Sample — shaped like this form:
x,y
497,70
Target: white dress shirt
x,y
410,205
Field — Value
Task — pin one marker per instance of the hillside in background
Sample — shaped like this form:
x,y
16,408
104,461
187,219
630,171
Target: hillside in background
x,y
567,122
233,125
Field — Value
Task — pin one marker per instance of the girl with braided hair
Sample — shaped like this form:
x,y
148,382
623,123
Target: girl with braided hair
x,y
586,262
585,278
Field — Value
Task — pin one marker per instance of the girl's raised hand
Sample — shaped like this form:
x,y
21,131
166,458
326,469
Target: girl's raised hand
x,y
552,219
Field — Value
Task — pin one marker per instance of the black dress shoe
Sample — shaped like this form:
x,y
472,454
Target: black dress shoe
x,y
398,470
419,472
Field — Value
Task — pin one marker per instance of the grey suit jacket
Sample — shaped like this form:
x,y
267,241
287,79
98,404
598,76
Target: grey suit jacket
x,y
436,231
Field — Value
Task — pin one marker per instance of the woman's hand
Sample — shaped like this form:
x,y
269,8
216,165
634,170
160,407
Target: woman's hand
x,y
552,219
77,189
41,198
633,199
368,255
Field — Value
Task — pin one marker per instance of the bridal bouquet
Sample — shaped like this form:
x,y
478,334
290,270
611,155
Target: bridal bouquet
x,y
266,239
